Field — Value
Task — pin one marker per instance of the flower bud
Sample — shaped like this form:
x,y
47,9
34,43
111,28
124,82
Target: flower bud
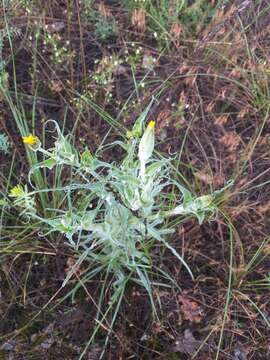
x,y
146,145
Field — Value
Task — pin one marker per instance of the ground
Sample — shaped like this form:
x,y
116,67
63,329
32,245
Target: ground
x,y
94,66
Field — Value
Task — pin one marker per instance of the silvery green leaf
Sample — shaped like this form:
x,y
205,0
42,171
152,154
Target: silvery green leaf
x,y
87,220
64,152
146,283
147,192
200,216
202,202
48,163
153,169
179,210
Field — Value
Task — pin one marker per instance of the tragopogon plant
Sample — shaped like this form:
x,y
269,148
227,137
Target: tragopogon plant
x,y
112,213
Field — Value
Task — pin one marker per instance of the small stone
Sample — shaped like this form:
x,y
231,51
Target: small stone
x,y
46,344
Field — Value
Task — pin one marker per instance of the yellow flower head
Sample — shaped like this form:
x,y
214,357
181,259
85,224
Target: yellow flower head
x,y
151,124
17,191
30,140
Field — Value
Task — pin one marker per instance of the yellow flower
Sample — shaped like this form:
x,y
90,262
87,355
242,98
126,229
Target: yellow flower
x,y
30,140
151,124
17,191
